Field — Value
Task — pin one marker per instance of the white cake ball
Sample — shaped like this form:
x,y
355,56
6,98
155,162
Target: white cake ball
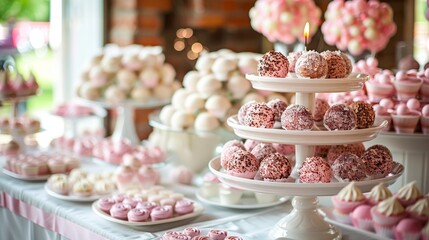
x,y
252,97
111,64
238,86
204,63
98,77
208,85
168,73
114,94
140,93
218,105
88,91
166,114
182,120
126,79
274,95
221,68
206,122
194,102
179,98
149,77
163,92
248,65
190,80
132,62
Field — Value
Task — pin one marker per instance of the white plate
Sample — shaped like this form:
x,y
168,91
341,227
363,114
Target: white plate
x,y
151,103
198,209
25,178
298,189
293,84
73,198
313,137
329,217
245,202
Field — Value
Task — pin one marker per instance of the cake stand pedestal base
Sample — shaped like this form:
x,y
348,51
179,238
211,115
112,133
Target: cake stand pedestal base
x,y
125,128
304,222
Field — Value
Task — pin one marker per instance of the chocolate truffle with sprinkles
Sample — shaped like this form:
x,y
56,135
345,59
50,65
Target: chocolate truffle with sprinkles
x,y
365,114
292,57
273,64
320,108
275,167
349,167
337,150
262,150
259,115
336,65
242,164
311,65
382,148
243,110
297,117
378,162
340,117
349,66
278,107
315,170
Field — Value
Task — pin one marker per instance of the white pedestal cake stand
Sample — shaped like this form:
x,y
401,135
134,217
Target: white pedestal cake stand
x,y
305,221
125,127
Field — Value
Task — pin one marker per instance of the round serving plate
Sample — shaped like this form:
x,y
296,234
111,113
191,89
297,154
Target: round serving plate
x,y
151,103
73,198
296,188
198,209
313,137
26,178
308,85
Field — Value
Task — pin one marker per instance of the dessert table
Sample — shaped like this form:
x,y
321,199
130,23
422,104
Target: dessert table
x,y
28,212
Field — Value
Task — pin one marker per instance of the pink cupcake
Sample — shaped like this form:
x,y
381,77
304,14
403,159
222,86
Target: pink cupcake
x,y
381,115
408,229
120,211
408,194
138,215
407,85
420,210
380,87
349,198
124,177
424,89
377,194
386,215
424,119
361,217
405,120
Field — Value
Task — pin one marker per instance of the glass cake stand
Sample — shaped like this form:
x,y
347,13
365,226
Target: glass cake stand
x,y
305,221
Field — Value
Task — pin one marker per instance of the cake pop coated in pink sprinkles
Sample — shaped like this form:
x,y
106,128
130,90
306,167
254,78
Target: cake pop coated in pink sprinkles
x,y
378,162
349,167
259,115
315,170
320,108
311,65
293,57
297,117
242,164
275,167
243,110
365,114
337,67
340,117
262,150
278,107
273,64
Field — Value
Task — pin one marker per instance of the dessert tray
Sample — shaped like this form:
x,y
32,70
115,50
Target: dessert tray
x,y
329,217
26,178
294,84
314,137
198,209
72,198
246,202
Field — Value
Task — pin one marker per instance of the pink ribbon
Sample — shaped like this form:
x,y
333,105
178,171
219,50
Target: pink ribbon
x,y
47,220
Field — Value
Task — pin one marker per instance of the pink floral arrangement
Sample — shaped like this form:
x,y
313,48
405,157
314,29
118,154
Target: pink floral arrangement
x,y
284,20
358,25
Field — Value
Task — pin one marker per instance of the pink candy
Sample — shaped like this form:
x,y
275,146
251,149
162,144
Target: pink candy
x,y
425,111
368,66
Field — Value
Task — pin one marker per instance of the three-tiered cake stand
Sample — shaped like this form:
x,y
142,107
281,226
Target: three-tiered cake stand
x,y
305,221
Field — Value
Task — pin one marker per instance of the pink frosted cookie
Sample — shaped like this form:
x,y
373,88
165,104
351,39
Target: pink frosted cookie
x,y
129,201
292,57
259,115
147,205
215,234
365,114
160,213
297,117
340,117
273,64
105,204
138,215
278,107
337,67
275,167
262,150
242,164
349,167
315,170
120,211
378,163
311,65
184,207
192,231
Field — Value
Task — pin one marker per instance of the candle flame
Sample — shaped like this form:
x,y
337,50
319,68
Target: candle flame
x,y
306,30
